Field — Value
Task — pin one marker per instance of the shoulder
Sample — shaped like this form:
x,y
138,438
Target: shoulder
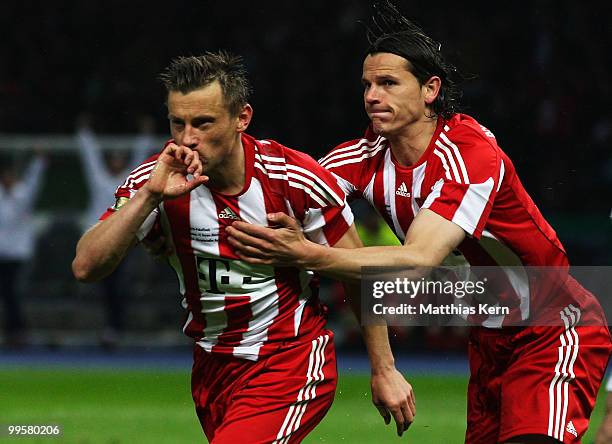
x,y
298,170
354,153
468,133
354,162
467,149
138,176
273,156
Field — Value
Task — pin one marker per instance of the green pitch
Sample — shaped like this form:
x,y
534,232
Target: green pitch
x,y
121,406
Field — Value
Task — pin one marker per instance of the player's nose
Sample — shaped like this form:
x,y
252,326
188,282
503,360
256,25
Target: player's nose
x,y
190,138
371,95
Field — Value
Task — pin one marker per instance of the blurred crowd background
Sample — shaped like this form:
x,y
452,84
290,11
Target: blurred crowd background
x,y
78,79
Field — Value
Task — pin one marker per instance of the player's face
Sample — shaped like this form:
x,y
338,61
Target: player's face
x,y
201,121
393,96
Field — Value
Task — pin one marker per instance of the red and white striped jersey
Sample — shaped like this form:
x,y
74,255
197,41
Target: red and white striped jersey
x,y
466,178
233,307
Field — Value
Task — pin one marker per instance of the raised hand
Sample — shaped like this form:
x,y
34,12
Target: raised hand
x,y
168,179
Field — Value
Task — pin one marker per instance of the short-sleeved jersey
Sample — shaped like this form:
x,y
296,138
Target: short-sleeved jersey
x,y
466,178
235,308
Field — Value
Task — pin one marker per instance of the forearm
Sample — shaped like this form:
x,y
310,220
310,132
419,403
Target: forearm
x,y
347,264
104,246
375,337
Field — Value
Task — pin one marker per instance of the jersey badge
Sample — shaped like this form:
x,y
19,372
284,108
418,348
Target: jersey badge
x,y
571,429
119,202
227,213
402,190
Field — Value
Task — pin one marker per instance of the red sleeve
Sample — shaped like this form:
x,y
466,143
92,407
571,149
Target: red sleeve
x,y
135,180
471,169
317,200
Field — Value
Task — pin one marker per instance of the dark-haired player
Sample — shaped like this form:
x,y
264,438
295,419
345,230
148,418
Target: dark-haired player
x,y
264,365
442,183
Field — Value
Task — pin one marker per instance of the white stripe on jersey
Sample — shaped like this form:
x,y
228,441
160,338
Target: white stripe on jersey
x,y
143,170
512,266
203,213
347,187
265,300
435,193
260,167
251,204
311,187
418,175
315,221
451,161
361,146
444,164
365,155
189,318
314,375
318,180
141,179
271,159
564,373
574,317
368,192
473,204
389,185
466,178
305,278
502,171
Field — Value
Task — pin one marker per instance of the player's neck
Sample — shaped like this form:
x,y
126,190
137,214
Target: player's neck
x,y
229,176
409,145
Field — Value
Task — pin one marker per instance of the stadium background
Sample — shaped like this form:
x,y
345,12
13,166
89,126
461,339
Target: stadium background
x,y
541,84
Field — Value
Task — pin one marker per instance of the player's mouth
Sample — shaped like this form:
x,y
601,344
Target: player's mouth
x,y
379,114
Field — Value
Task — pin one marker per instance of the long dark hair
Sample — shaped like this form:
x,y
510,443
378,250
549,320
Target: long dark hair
x,y
389,31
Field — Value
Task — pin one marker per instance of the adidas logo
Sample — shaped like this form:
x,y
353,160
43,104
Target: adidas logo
x,y
571,429
227,213
402,190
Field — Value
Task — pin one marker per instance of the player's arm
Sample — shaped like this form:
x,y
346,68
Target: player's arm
x,y
429,240
391,393
104,246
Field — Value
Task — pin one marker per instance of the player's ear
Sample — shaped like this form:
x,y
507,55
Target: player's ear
x,y
431,89
244,118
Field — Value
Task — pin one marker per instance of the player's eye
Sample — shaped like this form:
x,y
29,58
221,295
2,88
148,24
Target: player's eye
x,y
203,123
389,82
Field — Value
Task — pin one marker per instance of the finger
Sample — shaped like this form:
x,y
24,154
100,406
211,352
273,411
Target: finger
x,y
171,148
412,405
384,413
247,250
181,154
250,234
408,416
196,164
283,220
195,182
187,155
398,416
253,261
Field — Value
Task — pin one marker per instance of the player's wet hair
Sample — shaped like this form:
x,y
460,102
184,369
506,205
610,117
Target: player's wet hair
x,y
393,33
186,74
